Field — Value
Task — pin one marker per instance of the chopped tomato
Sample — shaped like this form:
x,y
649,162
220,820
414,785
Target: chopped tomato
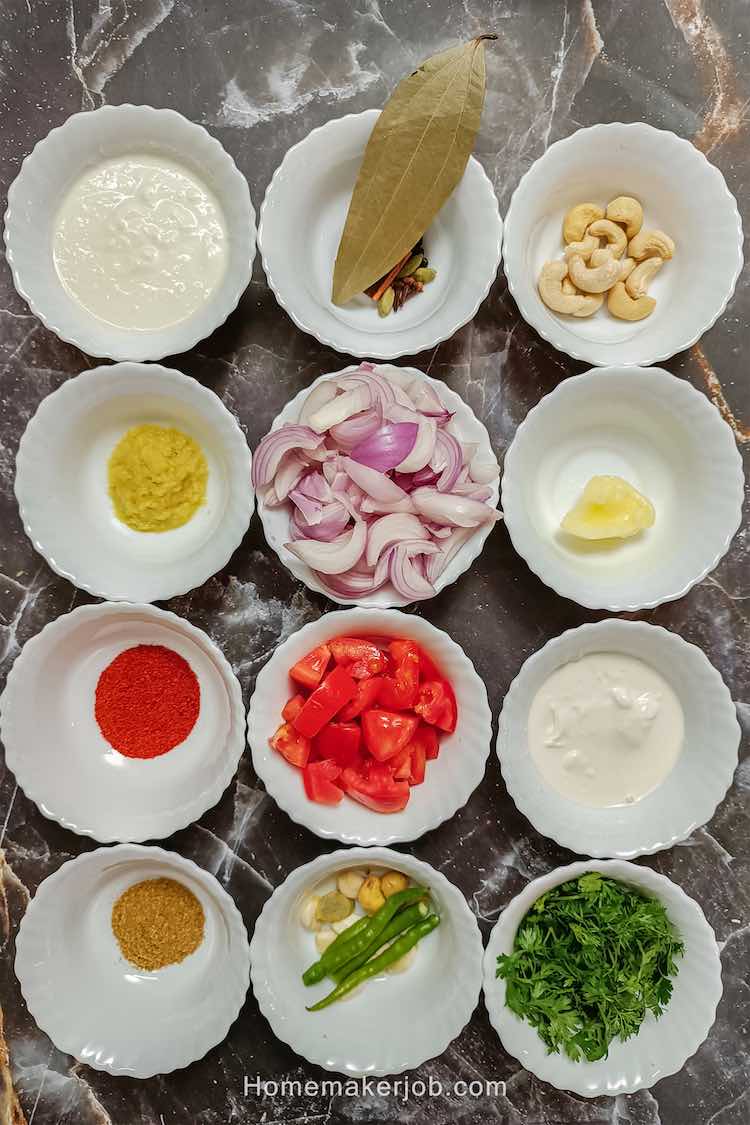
x,y
367,693
363,658
387,732
428,670
399,691
378,790
310,669
336,689
401,764
318,779
339,741
416,775
293,707
291,745
428,737
437,705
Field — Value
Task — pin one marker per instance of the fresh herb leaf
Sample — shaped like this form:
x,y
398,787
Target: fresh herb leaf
x,y
590,959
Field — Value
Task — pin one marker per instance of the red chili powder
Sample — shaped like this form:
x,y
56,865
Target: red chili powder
x,y
147,701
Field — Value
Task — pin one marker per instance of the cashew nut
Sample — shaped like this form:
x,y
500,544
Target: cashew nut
x,y
615,236
585,247
638,281
626,210
550,290
578,219
568,287
596,278
647,243
627,265
622,305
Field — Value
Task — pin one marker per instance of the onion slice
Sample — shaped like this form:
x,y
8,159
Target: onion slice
x,y
387,446
335,557
375,484
458,511
273,447
389,531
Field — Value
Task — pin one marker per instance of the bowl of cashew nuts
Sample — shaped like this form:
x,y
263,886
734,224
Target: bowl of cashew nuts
x,y
622,244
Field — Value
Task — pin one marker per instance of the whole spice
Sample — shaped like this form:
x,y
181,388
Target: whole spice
x,y
590,959
147,701
157,478
399,284
157,922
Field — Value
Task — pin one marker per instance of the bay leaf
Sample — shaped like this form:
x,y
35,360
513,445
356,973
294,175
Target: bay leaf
x,y
415,157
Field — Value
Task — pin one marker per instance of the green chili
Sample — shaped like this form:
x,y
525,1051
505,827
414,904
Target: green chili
x,y
344,937
402,921
364,937
388,957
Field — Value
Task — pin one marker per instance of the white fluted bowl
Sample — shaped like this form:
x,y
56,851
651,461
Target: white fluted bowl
x,y
450,779
393,1023
61,759
58,160
661,1047
668,441
98,1007
467,427
681,193
301,221
691,792
62,488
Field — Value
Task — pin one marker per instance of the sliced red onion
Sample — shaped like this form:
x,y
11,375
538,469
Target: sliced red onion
x,y
389,531
425,398
335,557
427,475
273,447
317,398
315,485
448,458
396,375
405,578
440,531
293,466
423,447
375,484
448,549
473,490
387,446
383,507
350,433
374,384
459,511
340,408
329,521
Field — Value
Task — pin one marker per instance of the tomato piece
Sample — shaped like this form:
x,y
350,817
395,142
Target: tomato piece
x,y
339,741
427,669
366,694
437,705
416,775
377,789
387,732
401,764
363,658
309,671
399,691
428,737
293,707
336,689
318,779
291,745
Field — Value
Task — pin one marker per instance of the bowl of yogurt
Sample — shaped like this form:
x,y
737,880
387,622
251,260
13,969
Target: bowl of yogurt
x,y
618,739
130,232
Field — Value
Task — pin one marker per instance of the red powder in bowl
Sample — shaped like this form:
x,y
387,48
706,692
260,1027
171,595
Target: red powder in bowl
x,y
147,701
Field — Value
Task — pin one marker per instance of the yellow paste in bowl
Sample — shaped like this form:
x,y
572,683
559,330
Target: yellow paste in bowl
x,y
157,478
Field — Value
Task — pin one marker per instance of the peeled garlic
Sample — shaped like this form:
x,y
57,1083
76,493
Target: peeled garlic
x,y
609,508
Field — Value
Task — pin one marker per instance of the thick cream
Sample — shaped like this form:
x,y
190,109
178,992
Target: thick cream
x,y
605,730
140,242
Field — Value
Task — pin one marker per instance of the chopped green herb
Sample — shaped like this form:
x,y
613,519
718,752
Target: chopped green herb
x,y
590,958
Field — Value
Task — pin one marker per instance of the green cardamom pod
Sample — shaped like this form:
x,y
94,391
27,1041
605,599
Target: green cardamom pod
x,y
385,304
425,276
409,267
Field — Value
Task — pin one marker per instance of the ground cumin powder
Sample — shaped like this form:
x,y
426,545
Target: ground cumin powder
x,y
157,922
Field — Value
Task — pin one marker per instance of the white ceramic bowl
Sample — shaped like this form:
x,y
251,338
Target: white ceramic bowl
x,y
276,521
663,437
688,796
450,779
62,493
682,194
394,1022
301,221
661,1046
96,1006
62,761
57,161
